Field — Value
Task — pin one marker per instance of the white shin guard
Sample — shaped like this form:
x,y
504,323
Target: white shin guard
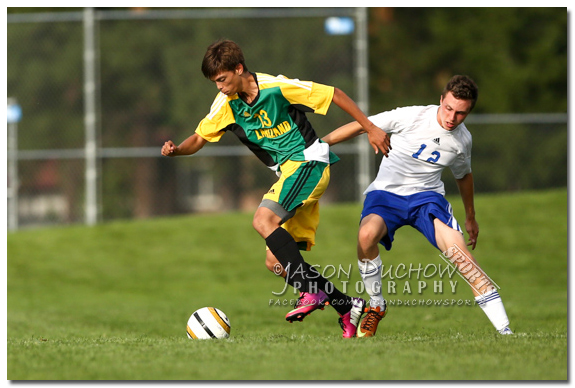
x,y
370,272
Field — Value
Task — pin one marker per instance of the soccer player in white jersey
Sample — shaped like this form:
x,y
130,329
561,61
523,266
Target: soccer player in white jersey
x,y
408,191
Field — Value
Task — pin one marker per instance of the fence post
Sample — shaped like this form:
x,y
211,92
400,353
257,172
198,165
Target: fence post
x,y
14,115
91,150
364,151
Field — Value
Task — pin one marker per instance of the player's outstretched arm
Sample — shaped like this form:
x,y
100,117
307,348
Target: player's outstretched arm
x,y
343,133
378,139
466,190
188,147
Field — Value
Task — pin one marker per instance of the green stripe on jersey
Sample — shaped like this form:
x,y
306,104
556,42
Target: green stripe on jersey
x,y
299,186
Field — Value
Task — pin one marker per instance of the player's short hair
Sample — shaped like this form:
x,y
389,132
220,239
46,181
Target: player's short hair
x,y
223,55
463,88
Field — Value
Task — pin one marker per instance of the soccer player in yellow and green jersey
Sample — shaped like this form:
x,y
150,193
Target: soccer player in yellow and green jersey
x,y
267,114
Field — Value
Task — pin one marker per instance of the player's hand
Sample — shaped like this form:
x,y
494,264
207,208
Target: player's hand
x,y
169,148
379,140
473,231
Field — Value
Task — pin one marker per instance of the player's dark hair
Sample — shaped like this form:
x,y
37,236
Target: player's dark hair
x,y
463,88
223,55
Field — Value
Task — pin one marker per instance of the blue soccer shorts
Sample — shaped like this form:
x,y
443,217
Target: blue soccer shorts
x,y
417,210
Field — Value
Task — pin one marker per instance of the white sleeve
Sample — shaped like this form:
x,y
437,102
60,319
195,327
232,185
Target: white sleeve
x,y
461,166
395,120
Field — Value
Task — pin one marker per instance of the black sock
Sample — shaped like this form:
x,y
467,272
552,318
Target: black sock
x,y
339,301
285,249
300,274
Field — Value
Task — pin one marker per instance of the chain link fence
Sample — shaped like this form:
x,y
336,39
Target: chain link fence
x,y
148,88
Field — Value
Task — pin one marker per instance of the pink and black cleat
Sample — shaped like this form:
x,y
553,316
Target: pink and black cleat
x,y
350,320
306,304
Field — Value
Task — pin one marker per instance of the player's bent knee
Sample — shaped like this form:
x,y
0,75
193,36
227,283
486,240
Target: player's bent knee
x,y
265,222
369,236
256,224
261,225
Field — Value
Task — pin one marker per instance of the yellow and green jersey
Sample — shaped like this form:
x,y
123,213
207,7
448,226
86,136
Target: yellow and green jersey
x,y
274,126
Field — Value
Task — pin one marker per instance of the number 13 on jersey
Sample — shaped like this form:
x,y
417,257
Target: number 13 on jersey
x,y
263,116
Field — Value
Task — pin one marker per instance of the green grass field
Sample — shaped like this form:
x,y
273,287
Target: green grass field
x,y
111,302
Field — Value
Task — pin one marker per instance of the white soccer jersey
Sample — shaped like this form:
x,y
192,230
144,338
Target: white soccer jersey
x,y
421,149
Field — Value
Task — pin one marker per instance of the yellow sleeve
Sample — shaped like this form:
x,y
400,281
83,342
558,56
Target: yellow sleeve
x,y
313,95
211,128
321,95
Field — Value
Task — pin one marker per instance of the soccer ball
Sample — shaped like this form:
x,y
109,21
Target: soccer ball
x,y
208,323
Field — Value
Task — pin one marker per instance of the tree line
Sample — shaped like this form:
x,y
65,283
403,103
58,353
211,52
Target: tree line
x,y
151,89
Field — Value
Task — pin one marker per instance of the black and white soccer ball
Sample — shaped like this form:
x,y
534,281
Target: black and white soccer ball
x,y
208,323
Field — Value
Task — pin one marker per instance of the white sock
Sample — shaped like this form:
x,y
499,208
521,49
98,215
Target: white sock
x,y
492,306
370,272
